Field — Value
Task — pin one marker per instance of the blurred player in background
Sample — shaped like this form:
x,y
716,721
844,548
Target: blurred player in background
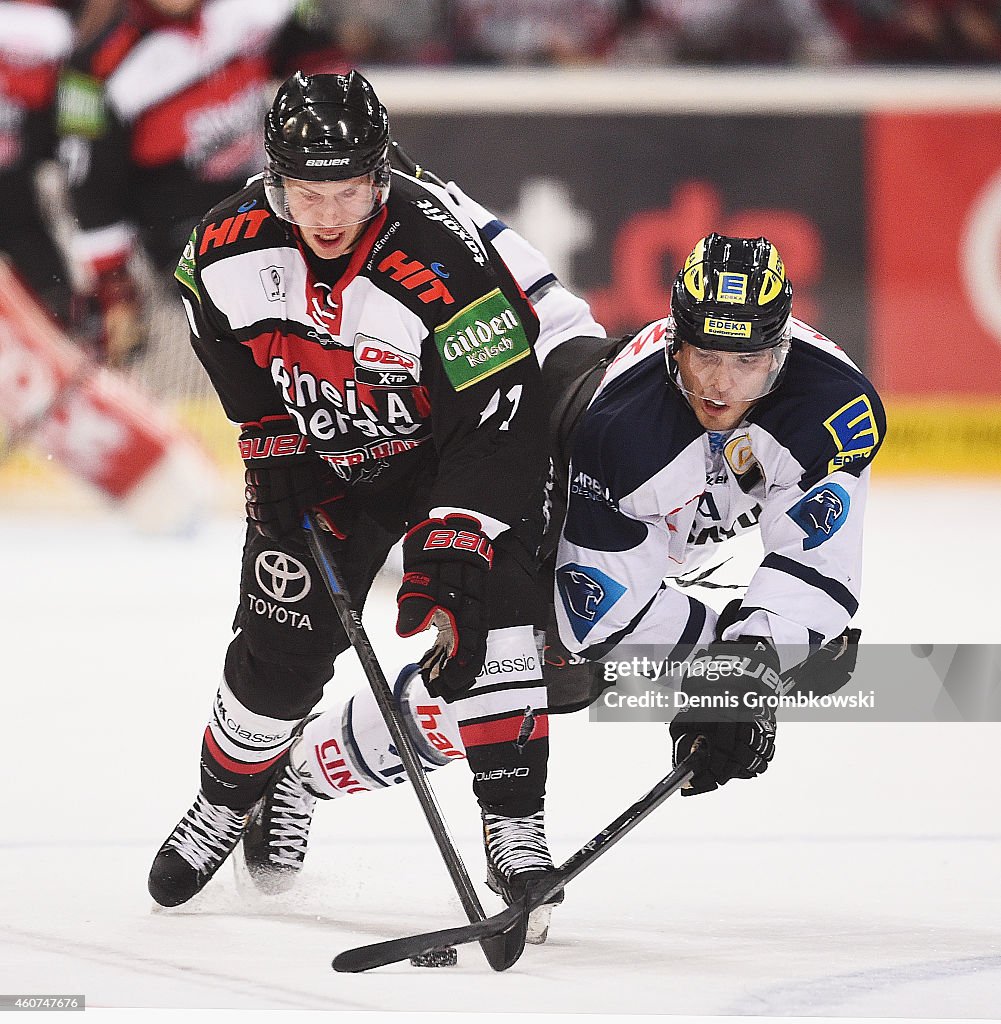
x,y
53,395
35,39
159,114
379,338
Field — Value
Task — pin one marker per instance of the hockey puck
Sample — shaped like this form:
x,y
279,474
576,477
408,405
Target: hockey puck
x,y
447,956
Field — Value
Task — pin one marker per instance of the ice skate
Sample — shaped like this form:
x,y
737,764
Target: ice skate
x,y
193,852
275,840
517,858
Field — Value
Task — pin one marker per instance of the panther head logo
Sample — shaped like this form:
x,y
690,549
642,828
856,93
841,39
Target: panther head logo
x,y
583,594
823,510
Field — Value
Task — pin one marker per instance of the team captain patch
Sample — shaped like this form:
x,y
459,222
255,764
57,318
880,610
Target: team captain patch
x,y
481,339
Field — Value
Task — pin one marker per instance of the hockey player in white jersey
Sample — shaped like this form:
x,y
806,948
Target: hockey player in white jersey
x,y
728,415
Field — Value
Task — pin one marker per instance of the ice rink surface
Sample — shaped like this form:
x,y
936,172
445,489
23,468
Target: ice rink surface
x,y
858,878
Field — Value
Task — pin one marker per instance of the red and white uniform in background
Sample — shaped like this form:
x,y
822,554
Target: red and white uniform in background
x,y
161,118
35,39
92,422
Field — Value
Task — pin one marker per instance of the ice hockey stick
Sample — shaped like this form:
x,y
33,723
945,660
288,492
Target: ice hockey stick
x,y
501,950
513,921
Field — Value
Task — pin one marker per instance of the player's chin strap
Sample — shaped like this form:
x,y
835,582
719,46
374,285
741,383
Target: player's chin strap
x,y
513,921
501,950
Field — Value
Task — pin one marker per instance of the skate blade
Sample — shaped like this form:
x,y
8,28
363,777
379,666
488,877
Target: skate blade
x,y
538,924
193,905
158,908
251,886
245,885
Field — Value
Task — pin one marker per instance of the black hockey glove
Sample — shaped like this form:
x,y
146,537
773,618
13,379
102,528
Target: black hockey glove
x,y
284,479
741,733
828,669
445,567
824,672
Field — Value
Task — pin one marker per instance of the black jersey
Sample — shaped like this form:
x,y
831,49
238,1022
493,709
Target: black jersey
x,y
424,342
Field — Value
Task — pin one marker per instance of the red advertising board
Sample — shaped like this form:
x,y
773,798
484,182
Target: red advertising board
x,y
934,183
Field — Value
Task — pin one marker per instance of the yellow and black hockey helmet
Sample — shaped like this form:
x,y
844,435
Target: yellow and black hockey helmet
x,y
732,294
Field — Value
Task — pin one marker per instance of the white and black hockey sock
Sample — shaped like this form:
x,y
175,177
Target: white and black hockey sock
x,y
238,750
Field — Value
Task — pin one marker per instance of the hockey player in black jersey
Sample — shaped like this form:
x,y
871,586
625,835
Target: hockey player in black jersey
x,y
35,39
380,340
725,416
159,112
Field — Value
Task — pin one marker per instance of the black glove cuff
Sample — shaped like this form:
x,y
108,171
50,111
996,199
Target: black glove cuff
x,y
454,538
827,670
734,668
274,437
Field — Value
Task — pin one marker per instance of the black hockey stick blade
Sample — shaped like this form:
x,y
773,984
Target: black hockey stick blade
x,y
511,924
504,949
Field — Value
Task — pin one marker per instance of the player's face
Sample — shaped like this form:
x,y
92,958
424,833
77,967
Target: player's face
x,y
331,214
722,386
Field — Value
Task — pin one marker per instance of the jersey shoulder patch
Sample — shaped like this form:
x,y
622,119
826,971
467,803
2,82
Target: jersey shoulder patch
x,y
241,222
82,104
856,432
825,411
185,270
483,337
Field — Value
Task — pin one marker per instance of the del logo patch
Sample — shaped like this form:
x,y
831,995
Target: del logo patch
x,y
381,365
587,595
821,513
481,339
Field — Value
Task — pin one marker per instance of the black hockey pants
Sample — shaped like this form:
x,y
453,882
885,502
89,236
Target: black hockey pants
x,y
288,636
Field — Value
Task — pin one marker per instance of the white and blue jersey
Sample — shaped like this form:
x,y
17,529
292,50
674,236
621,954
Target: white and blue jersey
x,y
652,494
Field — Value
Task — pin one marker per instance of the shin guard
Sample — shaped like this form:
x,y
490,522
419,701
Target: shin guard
x,y
348,749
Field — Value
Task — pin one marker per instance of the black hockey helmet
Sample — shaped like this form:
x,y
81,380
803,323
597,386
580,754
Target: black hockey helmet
x,y
732,294
327,128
